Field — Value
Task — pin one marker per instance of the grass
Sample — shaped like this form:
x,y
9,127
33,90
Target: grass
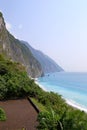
x,y
39,105
2,115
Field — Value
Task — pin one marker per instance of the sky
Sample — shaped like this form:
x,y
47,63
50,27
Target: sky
x,y
56,27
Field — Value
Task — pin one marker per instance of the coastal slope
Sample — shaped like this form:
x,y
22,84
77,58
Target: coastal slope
x,y
48,64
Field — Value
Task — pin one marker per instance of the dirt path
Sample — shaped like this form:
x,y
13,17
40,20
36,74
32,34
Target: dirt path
x,y
20,113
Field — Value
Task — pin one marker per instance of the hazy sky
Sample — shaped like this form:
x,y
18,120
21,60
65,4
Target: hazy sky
x,y
57,27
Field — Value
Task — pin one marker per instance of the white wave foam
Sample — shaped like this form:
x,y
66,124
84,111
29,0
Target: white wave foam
x,y
41,86
74,104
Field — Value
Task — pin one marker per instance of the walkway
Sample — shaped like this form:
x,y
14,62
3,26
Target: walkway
x,y
20,113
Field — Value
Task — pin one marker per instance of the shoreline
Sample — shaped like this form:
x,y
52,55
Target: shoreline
x,y
41,86
76,106
66,100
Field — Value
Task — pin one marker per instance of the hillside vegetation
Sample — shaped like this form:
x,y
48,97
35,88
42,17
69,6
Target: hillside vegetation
x,y
14,81
56,114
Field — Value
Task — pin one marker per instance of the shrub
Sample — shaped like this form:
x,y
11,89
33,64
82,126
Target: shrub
x,y
2,115
49,121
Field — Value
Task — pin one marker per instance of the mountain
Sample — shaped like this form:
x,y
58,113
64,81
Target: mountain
x,y
12,48
46,62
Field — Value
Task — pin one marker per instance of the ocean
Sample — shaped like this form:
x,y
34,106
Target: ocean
x,y
72,87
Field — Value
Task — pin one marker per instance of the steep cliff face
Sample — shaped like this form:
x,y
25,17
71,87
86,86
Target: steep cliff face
x,y
13,49
46,62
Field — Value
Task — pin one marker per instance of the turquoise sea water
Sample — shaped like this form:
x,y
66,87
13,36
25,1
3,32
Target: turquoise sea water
x,y
72,86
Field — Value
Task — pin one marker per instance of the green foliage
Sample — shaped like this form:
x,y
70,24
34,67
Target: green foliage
x,y
0,14
71,119
2,115
74,119
40,106
49,121
66,117
14,83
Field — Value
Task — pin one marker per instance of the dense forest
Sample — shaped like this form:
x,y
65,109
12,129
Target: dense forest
x,y
56,115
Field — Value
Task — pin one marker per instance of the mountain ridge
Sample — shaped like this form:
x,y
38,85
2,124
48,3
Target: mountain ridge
x,y
47,63
35,62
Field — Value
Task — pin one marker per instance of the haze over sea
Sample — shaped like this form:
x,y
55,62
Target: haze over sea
x,y
72,87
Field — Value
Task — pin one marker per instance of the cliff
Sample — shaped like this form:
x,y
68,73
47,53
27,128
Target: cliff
x,y
48,64
12,48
